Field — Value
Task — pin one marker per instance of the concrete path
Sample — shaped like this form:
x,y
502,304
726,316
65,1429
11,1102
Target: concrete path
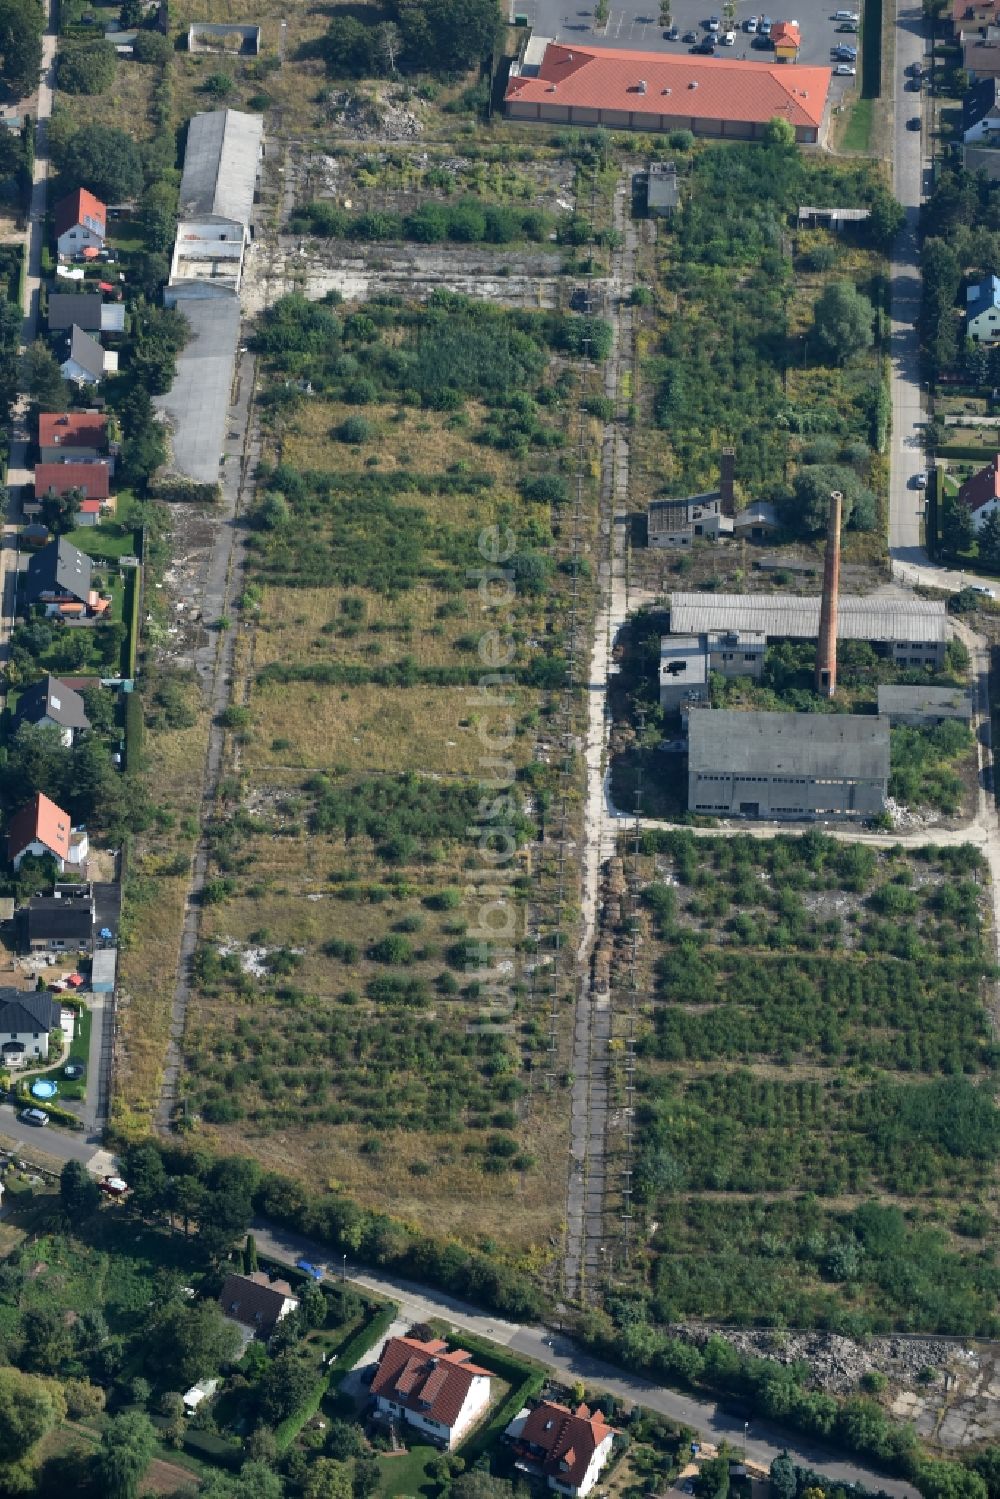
x,y
567,1360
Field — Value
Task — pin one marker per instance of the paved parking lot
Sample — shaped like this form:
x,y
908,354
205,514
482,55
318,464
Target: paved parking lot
x,y
635,24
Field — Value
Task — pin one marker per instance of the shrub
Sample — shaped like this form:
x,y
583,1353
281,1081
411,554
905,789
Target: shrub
x,y
152,47
355,430
88,68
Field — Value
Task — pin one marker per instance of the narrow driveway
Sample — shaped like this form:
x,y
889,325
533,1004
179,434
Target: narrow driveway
x,y
560,1354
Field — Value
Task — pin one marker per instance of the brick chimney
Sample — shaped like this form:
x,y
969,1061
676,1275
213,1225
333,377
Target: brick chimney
x,y
727,476
826,646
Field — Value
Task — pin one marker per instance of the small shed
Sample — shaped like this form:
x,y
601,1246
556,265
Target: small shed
x,y
104,970
203,1390
662,193
836,219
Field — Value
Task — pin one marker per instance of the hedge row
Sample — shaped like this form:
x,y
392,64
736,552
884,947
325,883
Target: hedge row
x,y
352,1352
964,450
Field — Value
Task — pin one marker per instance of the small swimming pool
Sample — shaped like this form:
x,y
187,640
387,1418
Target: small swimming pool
x,y
43,1089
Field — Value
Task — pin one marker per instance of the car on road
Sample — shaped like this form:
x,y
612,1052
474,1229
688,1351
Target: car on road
x,y
919,481
672,34
308,1268
845,70
33,1116
689,37
913,123
750,24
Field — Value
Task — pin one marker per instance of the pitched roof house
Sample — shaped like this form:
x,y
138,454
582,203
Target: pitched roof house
x,y
980,494
59,923
39,828
257,1301
60,573
50,701
568,1448
81,222
786,40
982,308
442,1394
87,361
87,310
93,480
80,435
970,14
26,1018
729,97
981,111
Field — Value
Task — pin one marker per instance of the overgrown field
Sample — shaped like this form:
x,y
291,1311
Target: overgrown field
x,y
735,353
394,757
817,1130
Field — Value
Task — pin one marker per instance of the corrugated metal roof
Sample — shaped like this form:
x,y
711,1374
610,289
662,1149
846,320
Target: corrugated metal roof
x,y
821,746
220,165
797,617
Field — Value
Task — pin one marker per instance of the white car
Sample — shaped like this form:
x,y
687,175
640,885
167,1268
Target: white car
x,y
729,40
919,481
714,25
845,70
750,24
987,593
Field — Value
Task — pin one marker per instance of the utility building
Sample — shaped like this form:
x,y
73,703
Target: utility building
x,y
794,766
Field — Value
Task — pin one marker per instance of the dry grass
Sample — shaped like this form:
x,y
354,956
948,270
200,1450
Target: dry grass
x,y
434,730
126,100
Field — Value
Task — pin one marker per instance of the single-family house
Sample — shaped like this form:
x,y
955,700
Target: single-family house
x,y
93,480
73,436
981,53
786,40
440,1393
982,309
981,111
59,576
50,702
87,310
257,1302
757,522
42,828
980,494
63,922
87,362
26,1020
969,15
568,1448
81,223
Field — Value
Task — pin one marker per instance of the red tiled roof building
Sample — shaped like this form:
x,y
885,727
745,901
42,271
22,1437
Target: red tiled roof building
x,y
654,91
980,494
442,1394
93,480
567,1448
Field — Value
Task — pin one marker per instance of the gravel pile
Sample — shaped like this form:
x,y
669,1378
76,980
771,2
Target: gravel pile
x,y
837,1364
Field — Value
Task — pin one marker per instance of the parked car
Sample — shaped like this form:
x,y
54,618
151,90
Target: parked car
x,y
705,48
913,123
765,25
672,34
915,70
729,40
689,37
750,24
851,27
987,593
919,481
845,70
714,23
308,1268
845,54
33,1116
913,84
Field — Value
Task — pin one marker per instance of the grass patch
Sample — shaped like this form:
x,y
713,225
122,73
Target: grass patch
x,y
858,133
79,1052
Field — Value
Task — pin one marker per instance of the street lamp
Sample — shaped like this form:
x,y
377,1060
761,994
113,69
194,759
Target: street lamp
x,y
344,1275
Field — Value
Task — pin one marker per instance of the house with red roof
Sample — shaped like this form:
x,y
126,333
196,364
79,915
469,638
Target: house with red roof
x,y
440,1393
42,828
93,480
568,1448
786,40
72,437
81,223
730,98
980,494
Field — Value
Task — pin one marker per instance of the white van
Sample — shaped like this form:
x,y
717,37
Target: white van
x,y
845,15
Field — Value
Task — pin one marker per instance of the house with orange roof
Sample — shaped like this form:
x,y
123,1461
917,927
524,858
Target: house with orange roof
x,y
440,1393
93,480
980,494
42,828
81,223
568,1448
729,98
72,437
970,15
786,40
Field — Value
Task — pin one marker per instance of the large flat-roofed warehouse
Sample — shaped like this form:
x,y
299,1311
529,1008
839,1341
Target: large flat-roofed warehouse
x,y
913,632
799,766
654,91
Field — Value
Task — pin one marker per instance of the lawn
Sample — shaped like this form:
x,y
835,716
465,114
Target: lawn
x,y
78,1052
857,136
106,542
407,1475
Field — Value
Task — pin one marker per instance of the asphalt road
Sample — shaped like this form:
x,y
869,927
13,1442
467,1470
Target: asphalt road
x,y
559,1353
635,24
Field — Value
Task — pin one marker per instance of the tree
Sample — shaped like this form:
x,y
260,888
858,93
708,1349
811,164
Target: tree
x,y
192,1341
103,159
349,48
388,45
957,531
447,36
59,511
88,68
79,1194
842,321
779,132
21,26
41,378
29,1407
48,1340
127,1444
885,219
947,1480
329,1479
254,1482
284,1387
784,1484
815,482
151,47
988,537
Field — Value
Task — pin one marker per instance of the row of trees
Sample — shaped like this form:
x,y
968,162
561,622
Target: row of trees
x,y
433,36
